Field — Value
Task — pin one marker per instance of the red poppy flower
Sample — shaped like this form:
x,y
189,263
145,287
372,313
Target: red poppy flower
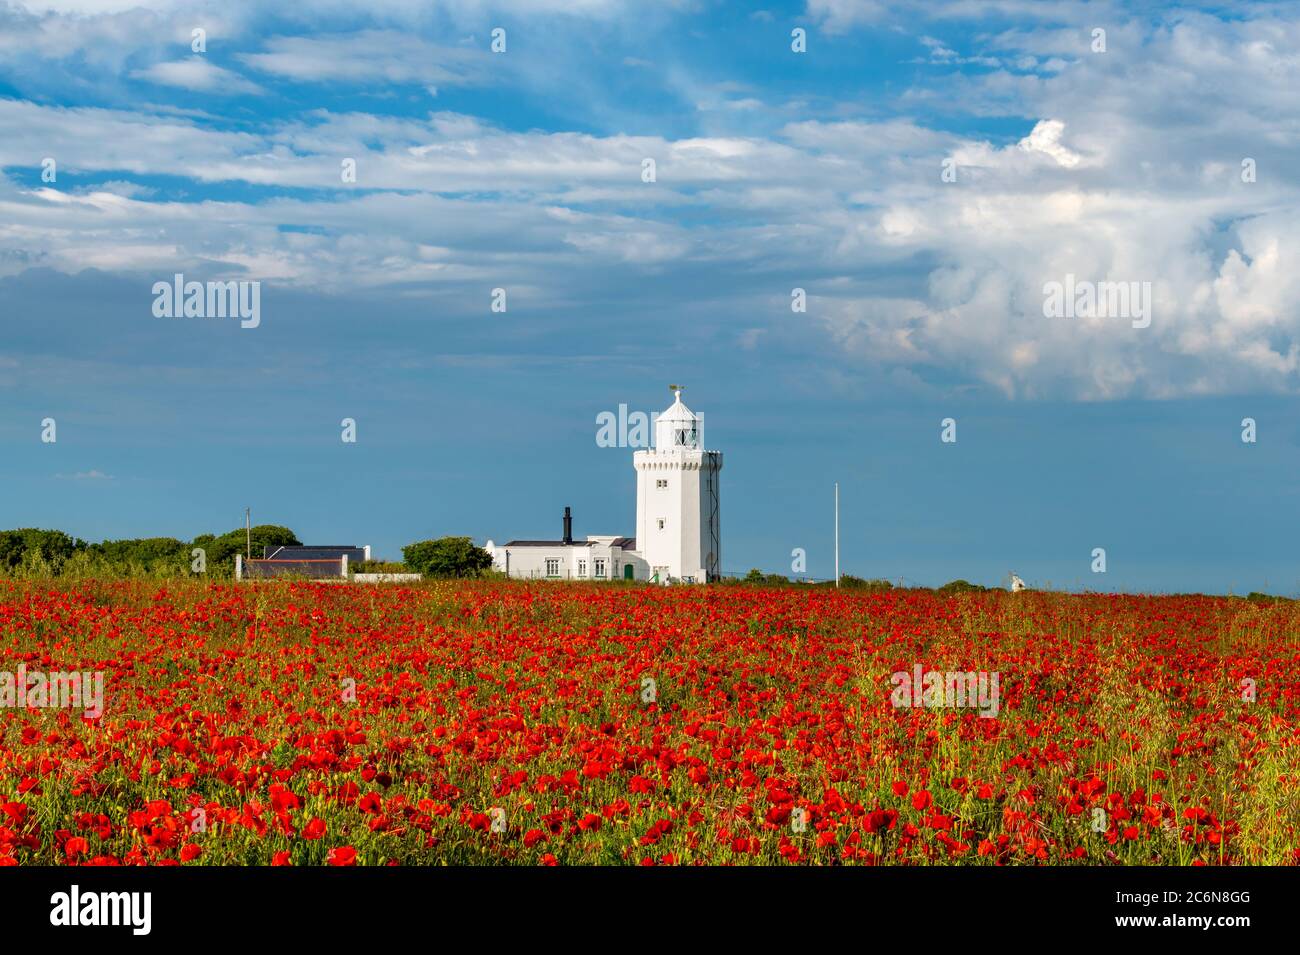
x,y
342,855
314,829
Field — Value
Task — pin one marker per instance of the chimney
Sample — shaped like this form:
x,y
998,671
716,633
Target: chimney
x,y
568,527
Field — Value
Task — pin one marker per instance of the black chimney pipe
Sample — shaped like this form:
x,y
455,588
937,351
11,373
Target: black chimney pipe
x,y
568,527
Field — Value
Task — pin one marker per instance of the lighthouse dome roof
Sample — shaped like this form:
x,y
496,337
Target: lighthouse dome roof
x,y
678,411
679,428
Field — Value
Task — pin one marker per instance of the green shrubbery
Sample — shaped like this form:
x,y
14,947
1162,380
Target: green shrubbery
x,y
379,567
962,587
30,548
34,552
847,581
447,557
31,552
147,552
756,576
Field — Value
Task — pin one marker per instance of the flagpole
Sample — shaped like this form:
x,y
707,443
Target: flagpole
x,y
837,533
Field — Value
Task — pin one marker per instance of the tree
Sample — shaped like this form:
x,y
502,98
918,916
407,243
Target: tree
x,y
53,552
48,546
447,557
148,552
12,547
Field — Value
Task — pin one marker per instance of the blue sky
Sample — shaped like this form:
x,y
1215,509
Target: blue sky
x,y
775,170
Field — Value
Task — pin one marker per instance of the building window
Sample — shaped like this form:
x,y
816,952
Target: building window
x,y
600,568
661,523
552,567
582,568
662,482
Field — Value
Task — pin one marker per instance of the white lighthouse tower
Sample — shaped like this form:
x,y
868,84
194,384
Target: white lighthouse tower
x,y
678,529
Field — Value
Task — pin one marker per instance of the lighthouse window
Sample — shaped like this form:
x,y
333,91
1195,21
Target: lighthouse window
x,y
662,482
552,567
661,523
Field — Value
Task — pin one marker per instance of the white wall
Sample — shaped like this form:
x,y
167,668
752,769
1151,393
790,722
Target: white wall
x,y
531,561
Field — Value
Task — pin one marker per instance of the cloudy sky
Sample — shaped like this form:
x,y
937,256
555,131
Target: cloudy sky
x,y
921,171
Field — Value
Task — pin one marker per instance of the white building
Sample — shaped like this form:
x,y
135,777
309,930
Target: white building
x,y
596,558
678,525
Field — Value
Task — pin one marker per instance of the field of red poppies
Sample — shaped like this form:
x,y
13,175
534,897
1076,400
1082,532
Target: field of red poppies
x,y
505,723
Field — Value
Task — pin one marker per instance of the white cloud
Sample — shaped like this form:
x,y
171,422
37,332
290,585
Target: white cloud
x,y
837,16
387,56
199,75
1046,138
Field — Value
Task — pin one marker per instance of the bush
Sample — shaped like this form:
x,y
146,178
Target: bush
x,y
962,587
1256,597
146,555
849,582
756,576
379,567
447,557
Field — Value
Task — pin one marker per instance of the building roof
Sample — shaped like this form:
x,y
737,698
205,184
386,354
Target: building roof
x,y
626,543
312,552
678,411
548,544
